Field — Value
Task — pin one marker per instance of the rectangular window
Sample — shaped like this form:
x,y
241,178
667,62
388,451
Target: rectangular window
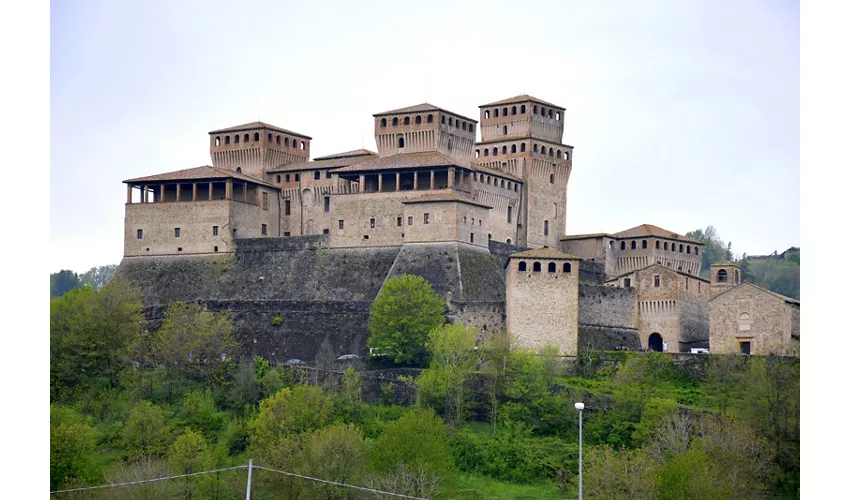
x,y
627,283
176,232
398,221
327,203
328,174
545,228
342,224
410,221
264,229
138,234
372,223
510,214
326,231
286,233
215,249
657,279
472,237
686,283
215,230
427,218
286,208
745,347
265,200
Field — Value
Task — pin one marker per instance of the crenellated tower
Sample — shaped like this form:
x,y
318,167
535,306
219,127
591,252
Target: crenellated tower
x,y
254,148
425,127
522,136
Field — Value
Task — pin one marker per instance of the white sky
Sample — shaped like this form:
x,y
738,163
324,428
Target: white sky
x,y
682,113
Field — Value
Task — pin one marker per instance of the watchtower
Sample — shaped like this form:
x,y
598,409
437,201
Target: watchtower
x,y
724,276
254,148
522,135
425,127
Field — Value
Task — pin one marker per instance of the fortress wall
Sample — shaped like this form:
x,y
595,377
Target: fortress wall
x,y
591,272
607,317
503,250
607,338
693,322
486,317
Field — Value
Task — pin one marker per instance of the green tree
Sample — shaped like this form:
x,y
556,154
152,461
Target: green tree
x,y
92,335
405,311
189,454
453,358
494,357
619,474
63,282
200,414
419,439
98,276
72,444
288,413
527,396
715,249
723,379
145,432
335,453
193,341
351,389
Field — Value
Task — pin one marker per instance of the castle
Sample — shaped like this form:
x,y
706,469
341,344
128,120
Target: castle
x,y
483,221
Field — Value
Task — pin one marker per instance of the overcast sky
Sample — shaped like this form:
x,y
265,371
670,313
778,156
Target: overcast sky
x,y
683,114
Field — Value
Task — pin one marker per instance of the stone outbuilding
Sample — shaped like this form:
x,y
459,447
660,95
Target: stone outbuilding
x,y
542,299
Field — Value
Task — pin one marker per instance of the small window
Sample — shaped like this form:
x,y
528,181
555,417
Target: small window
x,y
634,245
317,175
287,233
407,120
217,141
395,122
552,267
688,249
495,151
535,109
536,148
227,139
277,140
496,113
303,146
238,170
410,221
236,139
656,280
326,231
286,142
365,236
522,109
383,122
264,229
566,155
288,178
622,245
176,232
297,177
287,207
665,245
427,218
477,153
398,221
513,110
550,152
418,120
627,283
657,244
215,230
265,200
567,267
328,174
696,250
278,179
522,266
327,203
504,150
551,178
179,249
522,147
443,119
536,267
247,138
430,118
451,122
372,223
486,152
505,111
341,224
256,137
489,236
486,115
722,276
643,244
401,142
513,148
545,228
472,237
215,249
138,234
504,130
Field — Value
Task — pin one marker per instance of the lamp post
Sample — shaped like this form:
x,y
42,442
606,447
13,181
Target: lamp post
x,y
579,407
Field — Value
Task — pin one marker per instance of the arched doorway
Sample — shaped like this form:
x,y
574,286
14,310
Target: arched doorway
x,y
656,343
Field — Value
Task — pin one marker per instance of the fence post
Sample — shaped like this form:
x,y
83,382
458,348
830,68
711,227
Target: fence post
x,y
250,467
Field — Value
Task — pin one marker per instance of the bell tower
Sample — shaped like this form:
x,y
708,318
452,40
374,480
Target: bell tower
x,y
724,276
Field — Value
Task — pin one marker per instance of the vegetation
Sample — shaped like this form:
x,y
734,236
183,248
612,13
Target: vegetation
x,y
492,422
64,281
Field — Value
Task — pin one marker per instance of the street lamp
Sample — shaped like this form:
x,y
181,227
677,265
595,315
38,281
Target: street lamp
x,y
579,407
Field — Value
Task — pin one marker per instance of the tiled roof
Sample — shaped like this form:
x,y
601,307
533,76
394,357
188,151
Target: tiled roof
x,y
662,266
650,230
585,236
321,163
725,263
421,108
347,154
544,253
256,125
445,195
765,290
402,161
523,137
198,173
495,171
521,98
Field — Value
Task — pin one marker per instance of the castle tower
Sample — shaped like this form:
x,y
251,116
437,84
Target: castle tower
x,y
522,136
724,276
541,299
425,127
254,148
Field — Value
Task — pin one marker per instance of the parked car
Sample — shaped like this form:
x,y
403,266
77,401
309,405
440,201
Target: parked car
x,y
348,357
295,362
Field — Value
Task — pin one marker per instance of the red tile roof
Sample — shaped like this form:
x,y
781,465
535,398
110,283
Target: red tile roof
x,y
544,253
522,98
650,230
258,125
422,108
445,195
198,173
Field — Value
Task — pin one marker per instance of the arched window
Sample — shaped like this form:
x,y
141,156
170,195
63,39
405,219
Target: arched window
x,y
317,175
505,130
552,267
622,245
722,276
558,115
745,322
418,120
737,277
522,147
657,245
487,115
558,153
634,244
236,139
463,126
503,184
550,113
407,120
680,248
516,187
522,266
287,178
508,241
610,244
496,113
696,250
277,140
505,111
443,119
489,236
278,179
286,142
246,138
513,148
535,148
550,152
495,151
665,245
567,267
536,267
256,137
504,150
688,248
227,139
395,122
477,155
238,170
566,155
430,118
401,142
643,244
551,178
383,122
303,146
217,141
522,109
297,177
486,152
535,109
513,110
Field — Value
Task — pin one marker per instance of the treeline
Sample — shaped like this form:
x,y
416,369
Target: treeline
x,y
64,281
781,276
490,421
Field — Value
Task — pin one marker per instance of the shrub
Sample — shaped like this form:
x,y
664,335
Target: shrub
x,y
277,320
145,433
418,439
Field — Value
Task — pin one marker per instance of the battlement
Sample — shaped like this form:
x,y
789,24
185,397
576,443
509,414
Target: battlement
x,y
254,148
